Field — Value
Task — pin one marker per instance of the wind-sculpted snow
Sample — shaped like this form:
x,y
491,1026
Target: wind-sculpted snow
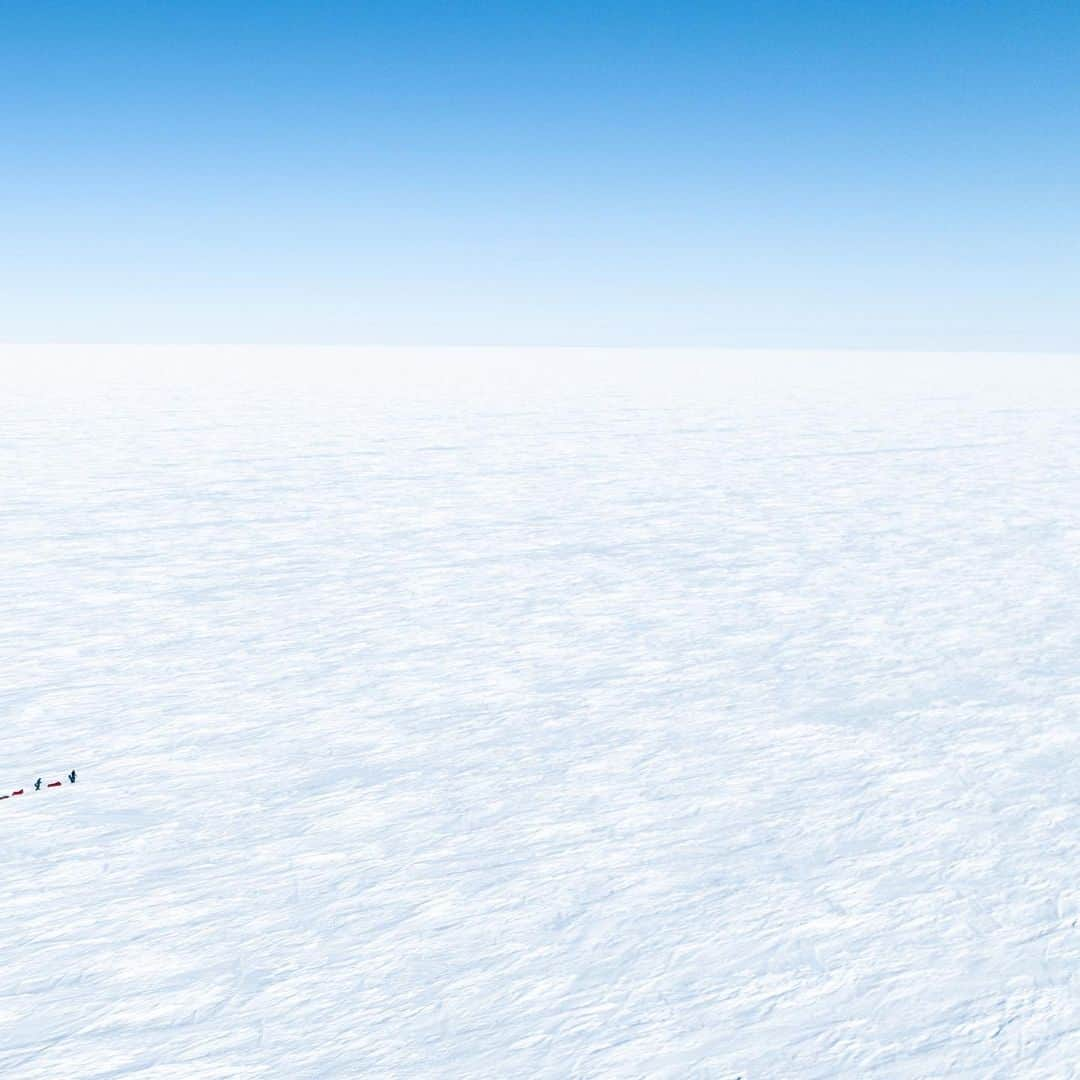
x,y
531,716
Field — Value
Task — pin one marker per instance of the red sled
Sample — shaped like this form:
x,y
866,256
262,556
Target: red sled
x,y
19,792
55,783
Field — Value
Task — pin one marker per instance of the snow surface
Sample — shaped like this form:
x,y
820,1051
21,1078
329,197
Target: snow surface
x,y
539,714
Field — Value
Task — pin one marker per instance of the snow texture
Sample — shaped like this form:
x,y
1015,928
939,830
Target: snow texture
x,y
539,714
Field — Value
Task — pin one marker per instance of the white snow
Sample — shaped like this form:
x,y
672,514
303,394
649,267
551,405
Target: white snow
x,y
539,714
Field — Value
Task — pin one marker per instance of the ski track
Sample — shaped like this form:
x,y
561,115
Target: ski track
x,y
712,722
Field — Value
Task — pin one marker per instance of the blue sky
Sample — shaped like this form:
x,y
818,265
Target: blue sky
x,y
821,174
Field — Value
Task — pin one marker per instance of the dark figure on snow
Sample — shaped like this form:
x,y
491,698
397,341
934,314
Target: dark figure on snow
x,y
37,784
71,777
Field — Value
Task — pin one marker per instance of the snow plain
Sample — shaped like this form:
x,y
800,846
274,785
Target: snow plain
x,y
539,714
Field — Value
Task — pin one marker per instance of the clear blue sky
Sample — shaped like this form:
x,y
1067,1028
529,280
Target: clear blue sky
x,y
850,174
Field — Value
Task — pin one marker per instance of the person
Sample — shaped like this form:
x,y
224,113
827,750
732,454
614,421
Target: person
x,y
71,777
37,784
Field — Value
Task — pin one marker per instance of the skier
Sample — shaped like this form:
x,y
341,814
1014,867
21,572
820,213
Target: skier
x,y
71,777
37,784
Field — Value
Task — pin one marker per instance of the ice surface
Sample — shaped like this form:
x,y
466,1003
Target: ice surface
x,y
537,714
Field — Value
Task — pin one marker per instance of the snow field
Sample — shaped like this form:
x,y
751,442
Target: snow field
x,y
539,715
